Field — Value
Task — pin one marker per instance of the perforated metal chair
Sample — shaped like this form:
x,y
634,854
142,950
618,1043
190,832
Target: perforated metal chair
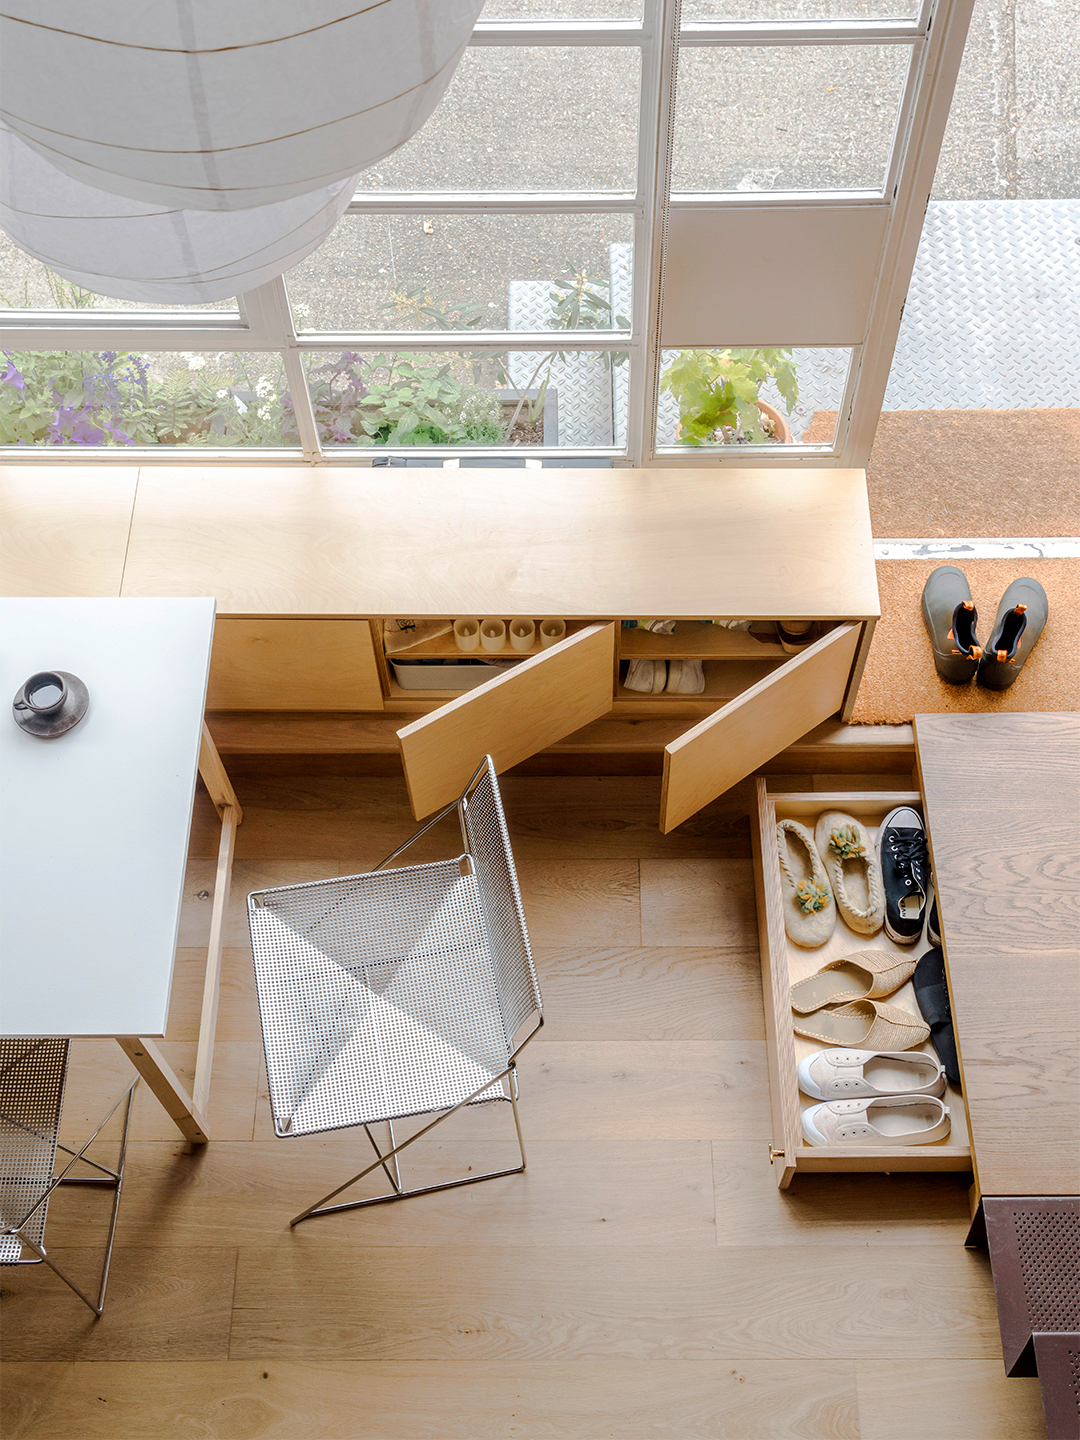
x,y
33,1074
398,993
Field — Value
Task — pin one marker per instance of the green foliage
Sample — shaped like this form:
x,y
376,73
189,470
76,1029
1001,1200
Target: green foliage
x,y
424,404
717,392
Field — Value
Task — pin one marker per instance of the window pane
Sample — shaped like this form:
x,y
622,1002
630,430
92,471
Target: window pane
x,y
468,398
492,272
528,118
562,10
800,117
27,284
799,391
695,12
85,397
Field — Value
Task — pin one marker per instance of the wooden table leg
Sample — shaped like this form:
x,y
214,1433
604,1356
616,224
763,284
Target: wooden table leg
x,y
161,1079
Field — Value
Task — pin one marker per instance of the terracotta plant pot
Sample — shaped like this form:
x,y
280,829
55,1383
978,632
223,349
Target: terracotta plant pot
x,y
783,433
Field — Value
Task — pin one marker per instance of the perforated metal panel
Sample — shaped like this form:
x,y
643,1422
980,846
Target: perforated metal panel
x,y
32,1078
1034,1244
394,993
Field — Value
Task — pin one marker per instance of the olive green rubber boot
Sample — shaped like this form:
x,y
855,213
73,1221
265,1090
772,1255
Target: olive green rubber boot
x,y
950,618
1017,626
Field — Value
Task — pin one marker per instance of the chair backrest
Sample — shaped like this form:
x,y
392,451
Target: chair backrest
x,y
496,880
32,1076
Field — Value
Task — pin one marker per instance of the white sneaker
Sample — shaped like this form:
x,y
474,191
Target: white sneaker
x,y
685,677
862,1074
889,1120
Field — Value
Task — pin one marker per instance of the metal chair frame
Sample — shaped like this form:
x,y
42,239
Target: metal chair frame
x,y
108,1179
388,1159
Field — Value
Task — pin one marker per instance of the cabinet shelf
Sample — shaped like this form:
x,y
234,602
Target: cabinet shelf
x,y
724,679
442,647
691,640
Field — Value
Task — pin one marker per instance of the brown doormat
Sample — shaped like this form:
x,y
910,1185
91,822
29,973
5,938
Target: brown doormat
x,y
936,474
900,680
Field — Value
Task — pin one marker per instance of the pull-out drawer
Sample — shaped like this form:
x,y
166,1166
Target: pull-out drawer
x,y
783,963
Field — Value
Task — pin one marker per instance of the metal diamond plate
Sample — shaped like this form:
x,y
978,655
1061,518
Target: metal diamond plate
x,y
991,319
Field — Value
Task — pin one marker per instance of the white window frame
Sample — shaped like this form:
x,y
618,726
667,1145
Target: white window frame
x,y
264,320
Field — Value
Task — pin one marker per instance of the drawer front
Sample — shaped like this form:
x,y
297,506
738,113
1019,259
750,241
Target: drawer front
x,y
782,963
286,664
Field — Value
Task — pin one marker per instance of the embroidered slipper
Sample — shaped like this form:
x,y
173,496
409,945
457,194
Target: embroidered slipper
x,y
865,1025
809,912
854,870
866,975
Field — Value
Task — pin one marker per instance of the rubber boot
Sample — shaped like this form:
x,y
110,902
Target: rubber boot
x,y
1017,626
950,618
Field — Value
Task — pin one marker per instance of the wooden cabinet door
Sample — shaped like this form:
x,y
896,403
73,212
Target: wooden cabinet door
x,y
509,718
287,664
727,746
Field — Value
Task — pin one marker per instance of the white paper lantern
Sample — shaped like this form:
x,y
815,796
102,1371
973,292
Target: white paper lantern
x,y
224,104
133,251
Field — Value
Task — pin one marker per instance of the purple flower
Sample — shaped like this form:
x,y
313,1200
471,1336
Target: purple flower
x,y
13,376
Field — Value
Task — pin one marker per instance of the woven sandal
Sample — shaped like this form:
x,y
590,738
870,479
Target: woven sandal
x,y
865,975
809,912
865,1025
851,861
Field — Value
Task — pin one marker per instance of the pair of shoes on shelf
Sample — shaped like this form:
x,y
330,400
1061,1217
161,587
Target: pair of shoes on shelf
x,y
677,677
873,1097
950,618
835,867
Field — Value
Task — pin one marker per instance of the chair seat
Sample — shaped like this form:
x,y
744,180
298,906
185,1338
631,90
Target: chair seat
x,y
377,995
32,1076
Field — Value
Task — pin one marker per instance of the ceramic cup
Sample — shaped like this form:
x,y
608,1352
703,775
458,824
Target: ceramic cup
x,y
493,634
522,634
551,632
43,694
467,634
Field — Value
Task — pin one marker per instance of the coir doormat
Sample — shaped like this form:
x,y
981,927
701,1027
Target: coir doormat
x,y
900,680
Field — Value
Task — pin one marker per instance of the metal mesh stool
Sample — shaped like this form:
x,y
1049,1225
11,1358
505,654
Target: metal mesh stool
x,y
33,1074
398,993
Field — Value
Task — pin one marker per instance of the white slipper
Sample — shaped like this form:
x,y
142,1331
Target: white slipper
x,y
648,676
685,677
888,1120
851,860
869,1074
809,912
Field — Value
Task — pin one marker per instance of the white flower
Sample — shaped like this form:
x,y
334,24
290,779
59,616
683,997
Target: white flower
x,y
263,412
222,394
197,362
264,387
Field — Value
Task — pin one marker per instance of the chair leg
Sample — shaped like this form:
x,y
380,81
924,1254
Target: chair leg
x,y
322,1208
116,1184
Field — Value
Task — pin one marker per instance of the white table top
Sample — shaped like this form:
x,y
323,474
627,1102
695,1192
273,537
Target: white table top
x,y
95,828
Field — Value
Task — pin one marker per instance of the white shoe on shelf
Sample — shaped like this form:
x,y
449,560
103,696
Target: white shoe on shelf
x,y
647,676
685,677
888,1120
869,1074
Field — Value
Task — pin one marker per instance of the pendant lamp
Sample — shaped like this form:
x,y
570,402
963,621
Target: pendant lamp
x,y
224,104
132,251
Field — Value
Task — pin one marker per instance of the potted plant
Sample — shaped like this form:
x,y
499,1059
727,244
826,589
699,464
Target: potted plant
x,y
717,395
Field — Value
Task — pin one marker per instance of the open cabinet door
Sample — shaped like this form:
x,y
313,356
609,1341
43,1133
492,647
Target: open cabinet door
x,y
509,718
755,726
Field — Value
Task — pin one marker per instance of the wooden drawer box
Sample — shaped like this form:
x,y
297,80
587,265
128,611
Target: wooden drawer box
x,y
782,963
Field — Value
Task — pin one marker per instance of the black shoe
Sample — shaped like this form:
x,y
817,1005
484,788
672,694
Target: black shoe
x,y
1018,624
933,926
905,868
932,995
950,618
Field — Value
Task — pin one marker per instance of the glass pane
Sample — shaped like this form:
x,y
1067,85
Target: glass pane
x,y
86,397
27,284
562,10
468,398
695,12
526,118
800,117
751,396
488,272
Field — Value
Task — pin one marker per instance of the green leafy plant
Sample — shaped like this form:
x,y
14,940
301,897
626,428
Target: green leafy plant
x,y
717,392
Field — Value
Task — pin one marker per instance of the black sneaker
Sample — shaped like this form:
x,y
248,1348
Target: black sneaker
x,y
933,926
905,873
932,995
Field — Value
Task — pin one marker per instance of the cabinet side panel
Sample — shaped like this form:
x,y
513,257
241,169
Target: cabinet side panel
x,y
285,664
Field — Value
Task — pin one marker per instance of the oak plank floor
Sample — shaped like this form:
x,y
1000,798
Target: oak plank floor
x,y
644,1278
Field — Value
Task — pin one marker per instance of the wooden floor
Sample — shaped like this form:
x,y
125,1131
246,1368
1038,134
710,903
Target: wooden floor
x,y
644,1278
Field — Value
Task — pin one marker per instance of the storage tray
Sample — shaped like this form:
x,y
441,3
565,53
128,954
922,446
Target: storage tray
x,y
782,963
444,677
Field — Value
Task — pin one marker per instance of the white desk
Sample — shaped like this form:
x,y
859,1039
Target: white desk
x,y
96,824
